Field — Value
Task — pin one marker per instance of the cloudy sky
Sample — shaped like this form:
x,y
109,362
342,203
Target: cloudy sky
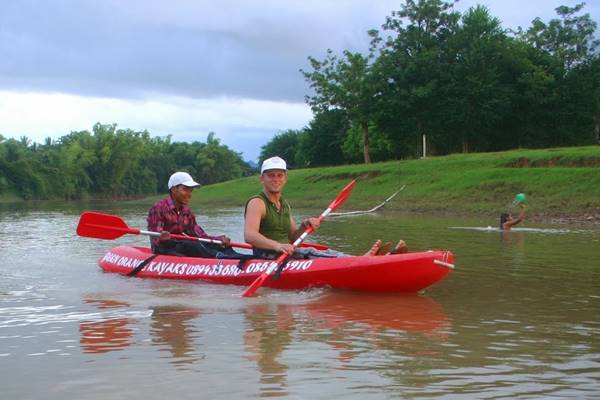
x,y
185,67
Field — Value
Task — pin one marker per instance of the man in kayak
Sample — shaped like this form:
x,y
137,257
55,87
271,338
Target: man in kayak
x,y
270,227
172,215
507,221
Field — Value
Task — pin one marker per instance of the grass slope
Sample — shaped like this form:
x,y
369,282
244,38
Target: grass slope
x,y
558,182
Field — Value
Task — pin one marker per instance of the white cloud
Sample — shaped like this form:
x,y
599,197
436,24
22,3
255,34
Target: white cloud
x,y
242,124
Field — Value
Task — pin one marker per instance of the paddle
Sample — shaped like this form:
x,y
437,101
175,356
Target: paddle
x,y
339,200
377,207
106,226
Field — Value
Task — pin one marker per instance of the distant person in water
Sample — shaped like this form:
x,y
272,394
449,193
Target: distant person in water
x,y
270,227
507,221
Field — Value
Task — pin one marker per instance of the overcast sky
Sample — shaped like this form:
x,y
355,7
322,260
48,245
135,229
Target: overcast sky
x,y
185,67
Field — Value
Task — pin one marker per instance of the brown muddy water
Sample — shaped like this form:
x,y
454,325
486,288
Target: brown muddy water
x,y
517,318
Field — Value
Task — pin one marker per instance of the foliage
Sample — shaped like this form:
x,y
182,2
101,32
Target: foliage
x,y
459,79
462,80
569,38
347,84
110,162
557,181
217,163
321,142
283,145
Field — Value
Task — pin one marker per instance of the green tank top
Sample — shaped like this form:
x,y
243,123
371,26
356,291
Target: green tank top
x,y
276,223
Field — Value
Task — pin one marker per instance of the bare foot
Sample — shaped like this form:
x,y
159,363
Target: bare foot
x,y
374,249
400,248
384,249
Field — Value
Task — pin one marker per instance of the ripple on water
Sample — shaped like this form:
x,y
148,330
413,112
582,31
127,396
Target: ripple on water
x,y
517,318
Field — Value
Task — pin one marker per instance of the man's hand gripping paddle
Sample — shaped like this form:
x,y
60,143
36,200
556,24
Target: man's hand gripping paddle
x,y
339,200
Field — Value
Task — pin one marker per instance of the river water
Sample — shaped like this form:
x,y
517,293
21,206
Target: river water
x,y
518,317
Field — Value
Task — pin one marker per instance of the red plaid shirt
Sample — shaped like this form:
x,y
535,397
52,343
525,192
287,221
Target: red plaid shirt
x,y
163,216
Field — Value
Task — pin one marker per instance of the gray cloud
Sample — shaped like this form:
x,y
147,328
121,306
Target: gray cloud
x,y
200,49
181,67
189,48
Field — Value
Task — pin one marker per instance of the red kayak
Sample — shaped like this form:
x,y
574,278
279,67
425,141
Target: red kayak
x,y
403,273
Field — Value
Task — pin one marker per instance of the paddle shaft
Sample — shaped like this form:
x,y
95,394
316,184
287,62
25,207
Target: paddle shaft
x,y
107,226
136,231
296,243
258,282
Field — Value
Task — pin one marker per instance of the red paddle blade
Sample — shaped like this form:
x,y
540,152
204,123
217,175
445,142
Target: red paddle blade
x,y
101,226
255,285
343,195
258,282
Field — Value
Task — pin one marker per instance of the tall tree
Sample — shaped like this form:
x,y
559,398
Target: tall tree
x,y
22,169
411,64
284,145
321,142
568,49
570,38
346,84
476,84
216,162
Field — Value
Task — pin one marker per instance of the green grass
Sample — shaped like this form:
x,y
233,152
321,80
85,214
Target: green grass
x,y
9,198
561,181
558,182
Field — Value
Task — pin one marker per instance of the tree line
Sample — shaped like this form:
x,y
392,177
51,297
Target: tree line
x,y
460,80
110,163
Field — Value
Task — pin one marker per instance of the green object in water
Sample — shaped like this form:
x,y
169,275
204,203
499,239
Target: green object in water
x,y
521,198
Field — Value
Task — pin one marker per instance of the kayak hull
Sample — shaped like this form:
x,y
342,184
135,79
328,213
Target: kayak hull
x,y
403,273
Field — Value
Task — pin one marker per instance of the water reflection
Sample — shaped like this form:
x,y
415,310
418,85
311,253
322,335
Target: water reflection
x,y
519,318
378,327
349,324
268,333
513,247
382,311
172,325
112,334
513,238
346,326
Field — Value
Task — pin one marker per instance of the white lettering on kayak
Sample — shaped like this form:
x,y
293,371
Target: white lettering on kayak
x,y
215,268
258,266
110,257
122,261
296,265
231,270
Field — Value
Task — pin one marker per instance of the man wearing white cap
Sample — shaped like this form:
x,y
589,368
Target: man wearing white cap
x,y
269,225
268,218
172,215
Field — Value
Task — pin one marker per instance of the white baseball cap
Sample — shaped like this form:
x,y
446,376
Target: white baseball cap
x,y
273,163
182,178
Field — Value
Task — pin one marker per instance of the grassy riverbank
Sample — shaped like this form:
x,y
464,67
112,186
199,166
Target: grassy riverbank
x,y
9,198
560,183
